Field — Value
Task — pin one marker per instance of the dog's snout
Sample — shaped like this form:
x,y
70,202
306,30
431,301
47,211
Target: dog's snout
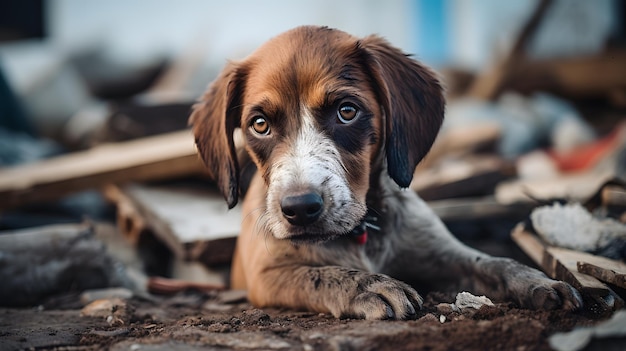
x,y
302,209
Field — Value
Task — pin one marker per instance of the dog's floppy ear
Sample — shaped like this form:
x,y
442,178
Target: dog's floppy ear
x,y
214,119
413,103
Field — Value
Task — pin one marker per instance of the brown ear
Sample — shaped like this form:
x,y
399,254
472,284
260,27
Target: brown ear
x,y
413,103
214,119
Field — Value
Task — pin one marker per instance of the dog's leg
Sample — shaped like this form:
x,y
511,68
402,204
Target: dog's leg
x,y
342,291
422,249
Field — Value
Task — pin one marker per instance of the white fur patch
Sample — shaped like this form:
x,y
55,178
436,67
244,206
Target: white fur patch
x,y
312,164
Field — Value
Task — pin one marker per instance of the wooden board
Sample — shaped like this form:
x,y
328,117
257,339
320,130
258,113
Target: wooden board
x,y
529,243
613,272
557,263
477,208
574,187
159,157
562,262
193,222
471,176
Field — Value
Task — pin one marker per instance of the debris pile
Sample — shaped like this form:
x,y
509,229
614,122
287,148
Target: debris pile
x,y
115,216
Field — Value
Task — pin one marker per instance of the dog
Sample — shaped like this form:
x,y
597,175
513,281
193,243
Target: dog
x,y
335,126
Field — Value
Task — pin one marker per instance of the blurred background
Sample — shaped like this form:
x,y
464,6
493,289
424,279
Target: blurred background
x,y
536,104
57,57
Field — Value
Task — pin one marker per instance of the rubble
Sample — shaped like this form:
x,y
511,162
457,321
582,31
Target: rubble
x,y
538,141
40,262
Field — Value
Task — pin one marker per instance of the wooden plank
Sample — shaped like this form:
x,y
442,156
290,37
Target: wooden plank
x,y
477,208
574,187
152,158
613,272
530,244
129,221
194,222
472,176
558,263
613,195
563,263
461,141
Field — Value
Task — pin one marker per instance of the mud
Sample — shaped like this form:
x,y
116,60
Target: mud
x,y
194,321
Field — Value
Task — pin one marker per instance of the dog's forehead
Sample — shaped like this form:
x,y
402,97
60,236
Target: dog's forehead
x,y
300,64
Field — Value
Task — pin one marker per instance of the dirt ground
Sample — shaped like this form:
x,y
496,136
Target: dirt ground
x,y
194,321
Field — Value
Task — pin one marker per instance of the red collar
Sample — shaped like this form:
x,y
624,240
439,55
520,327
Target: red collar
x,y
361,239
359,233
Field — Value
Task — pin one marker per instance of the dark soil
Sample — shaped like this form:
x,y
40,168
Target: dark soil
x,y
196,321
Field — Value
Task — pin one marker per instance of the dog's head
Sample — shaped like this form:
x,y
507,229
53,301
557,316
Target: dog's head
x,y
319,110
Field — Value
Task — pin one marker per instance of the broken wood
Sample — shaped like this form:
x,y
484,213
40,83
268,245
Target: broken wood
x,y
461,141
477,208
556,262
610,271
613,195
166,286
529,243
574,187
561,264
129,221
474,176
193,222
152,158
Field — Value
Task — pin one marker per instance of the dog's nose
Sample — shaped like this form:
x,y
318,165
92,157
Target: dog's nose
x,y
302,209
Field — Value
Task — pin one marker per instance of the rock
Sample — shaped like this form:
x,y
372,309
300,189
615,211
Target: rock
x,y
465,300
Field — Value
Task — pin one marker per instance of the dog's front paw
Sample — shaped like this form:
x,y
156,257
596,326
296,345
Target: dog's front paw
x,y
533,289
549,294
381,297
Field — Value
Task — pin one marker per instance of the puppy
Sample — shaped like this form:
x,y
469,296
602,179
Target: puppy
x,y
336,126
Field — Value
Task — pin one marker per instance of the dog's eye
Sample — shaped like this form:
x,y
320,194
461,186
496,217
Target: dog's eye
x,y
260,125
347,112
